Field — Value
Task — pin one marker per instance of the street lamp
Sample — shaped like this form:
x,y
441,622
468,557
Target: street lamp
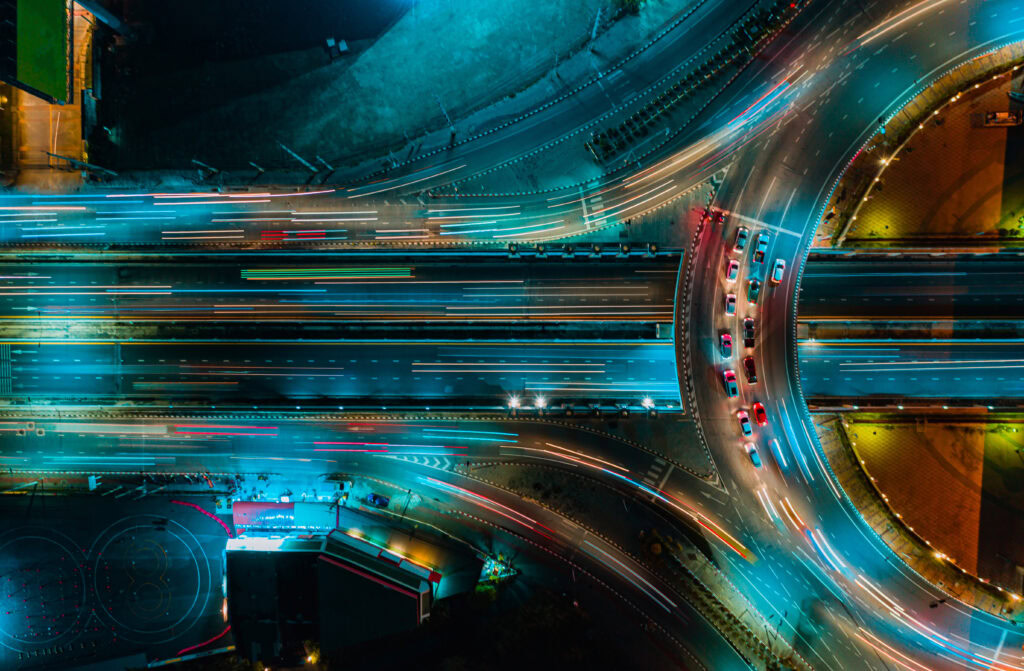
x,y
647,402
540,403
513,402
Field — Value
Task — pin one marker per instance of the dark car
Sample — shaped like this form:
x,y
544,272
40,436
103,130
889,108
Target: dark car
x,y
749,332
378,500
750,369
753,290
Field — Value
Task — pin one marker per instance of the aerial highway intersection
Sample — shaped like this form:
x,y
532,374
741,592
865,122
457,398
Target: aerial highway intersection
x,y
605,332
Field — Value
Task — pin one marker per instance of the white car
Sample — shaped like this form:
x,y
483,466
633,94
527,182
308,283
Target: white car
x,y
730,304
744,420
778,270
732,269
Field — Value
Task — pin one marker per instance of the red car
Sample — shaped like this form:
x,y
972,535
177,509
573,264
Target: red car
x,y
759,414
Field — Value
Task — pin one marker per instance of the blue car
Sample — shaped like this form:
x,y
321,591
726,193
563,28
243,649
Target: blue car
x,y
762,247
755,458
378,500
744,420
742,235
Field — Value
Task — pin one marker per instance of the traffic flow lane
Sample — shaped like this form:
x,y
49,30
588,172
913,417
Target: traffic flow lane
x,y
601,556
784,164
368,213
838,115
787,582
462,290
490,374
867,288
912,368
611,90
418,455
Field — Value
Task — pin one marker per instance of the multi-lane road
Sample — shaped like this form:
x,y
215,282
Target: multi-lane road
x,y
908,369
445,331
299,289
873,293
832,586
875,287
365,374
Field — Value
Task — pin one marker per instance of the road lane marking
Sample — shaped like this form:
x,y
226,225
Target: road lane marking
x,y
762,224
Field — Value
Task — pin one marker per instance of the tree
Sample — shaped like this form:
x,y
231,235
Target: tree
x,y
631,6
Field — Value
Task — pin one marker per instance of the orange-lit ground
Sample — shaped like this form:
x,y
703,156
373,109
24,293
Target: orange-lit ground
x,y
951,183
958,485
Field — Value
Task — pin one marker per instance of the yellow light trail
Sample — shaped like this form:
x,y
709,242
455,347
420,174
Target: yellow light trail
x,y
899,19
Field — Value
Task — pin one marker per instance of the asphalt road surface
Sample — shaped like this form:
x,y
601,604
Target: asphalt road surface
x,y
953,369
371,373
867,288
462,289
855,63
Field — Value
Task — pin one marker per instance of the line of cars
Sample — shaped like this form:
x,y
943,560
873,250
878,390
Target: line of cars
x,y
754,285
725,342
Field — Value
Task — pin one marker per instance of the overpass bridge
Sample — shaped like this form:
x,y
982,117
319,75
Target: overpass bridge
x,y
882,329
467,331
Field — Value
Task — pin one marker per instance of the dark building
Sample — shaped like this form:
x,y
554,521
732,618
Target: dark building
x,y
336,589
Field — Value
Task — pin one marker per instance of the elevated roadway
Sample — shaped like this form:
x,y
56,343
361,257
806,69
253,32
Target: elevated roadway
x,y
469,331
827,581
464,289
863,288
887,327
912,369
357,373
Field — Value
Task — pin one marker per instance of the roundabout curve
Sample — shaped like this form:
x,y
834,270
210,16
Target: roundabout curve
x,y
880,609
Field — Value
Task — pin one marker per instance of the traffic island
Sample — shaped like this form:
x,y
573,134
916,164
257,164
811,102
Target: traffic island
x,y
942,171
930,528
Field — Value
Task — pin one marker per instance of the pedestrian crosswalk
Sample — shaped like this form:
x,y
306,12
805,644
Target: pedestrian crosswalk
x,y
658,473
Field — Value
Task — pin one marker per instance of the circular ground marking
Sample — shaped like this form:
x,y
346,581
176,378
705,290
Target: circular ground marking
x,y
42,587
152,578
